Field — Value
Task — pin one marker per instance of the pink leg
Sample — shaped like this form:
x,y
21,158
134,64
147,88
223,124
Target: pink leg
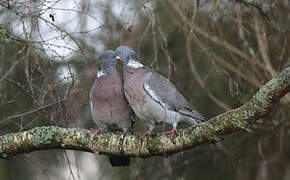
x,y
174,130
123,133
97,131
146,133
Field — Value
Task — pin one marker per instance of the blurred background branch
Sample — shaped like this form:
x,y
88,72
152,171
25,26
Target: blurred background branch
x,y
218,53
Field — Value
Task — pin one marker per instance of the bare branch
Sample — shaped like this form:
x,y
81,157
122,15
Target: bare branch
x,y
260,30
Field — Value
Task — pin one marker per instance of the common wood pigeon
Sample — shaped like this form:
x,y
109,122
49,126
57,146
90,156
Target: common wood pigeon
x,y
109,107
153,98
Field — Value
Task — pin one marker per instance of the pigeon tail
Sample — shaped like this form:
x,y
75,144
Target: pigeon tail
x,y
119,160
189,121
191,117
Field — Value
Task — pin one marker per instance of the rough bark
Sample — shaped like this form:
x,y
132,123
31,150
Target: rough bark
x,y
51,137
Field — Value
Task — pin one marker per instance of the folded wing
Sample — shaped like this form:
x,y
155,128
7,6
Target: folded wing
x,y
165,93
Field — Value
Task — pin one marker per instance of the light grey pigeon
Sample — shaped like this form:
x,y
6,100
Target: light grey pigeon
x,y
153,98
109,107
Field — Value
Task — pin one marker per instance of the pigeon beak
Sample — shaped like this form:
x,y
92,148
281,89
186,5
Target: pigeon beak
x,y
119,58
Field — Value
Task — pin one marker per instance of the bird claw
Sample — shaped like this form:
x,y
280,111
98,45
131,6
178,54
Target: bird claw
x,y
97,131
123,133
172,132
147,133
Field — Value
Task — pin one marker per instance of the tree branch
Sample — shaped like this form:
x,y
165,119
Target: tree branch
x,y
42,138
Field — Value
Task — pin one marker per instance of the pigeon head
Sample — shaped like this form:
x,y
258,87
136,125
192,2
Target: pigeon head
x,y
107,59
125,54
107,63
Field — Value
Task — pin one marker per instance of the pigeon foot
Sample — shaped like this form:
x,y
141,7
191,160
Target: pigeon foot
x,y
172,132
147,133
97,131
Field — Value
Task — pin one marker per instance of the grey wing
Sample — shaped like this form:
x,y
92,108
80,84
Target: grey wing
x,y
99,123
165,93
92,110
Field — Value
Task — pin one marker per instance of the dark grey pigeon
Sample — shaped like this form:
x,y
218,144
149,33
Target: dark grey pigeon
x,y
109,107
153,98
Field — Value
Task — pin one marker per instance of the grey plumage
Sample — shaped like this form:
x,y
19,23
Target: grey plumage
x,y
109,107
169,96
153,97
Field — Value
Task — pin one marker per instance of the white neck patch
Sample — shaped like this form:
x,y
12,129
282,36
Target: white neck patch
x,y
134,64
100,73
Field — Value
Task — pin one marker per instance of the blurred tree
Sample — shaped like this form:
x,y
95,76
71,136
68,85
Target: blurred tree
x,y
218,53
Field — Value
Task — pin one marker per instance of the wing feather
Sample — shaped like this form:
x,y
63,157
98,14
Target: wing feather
x,y
165,93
